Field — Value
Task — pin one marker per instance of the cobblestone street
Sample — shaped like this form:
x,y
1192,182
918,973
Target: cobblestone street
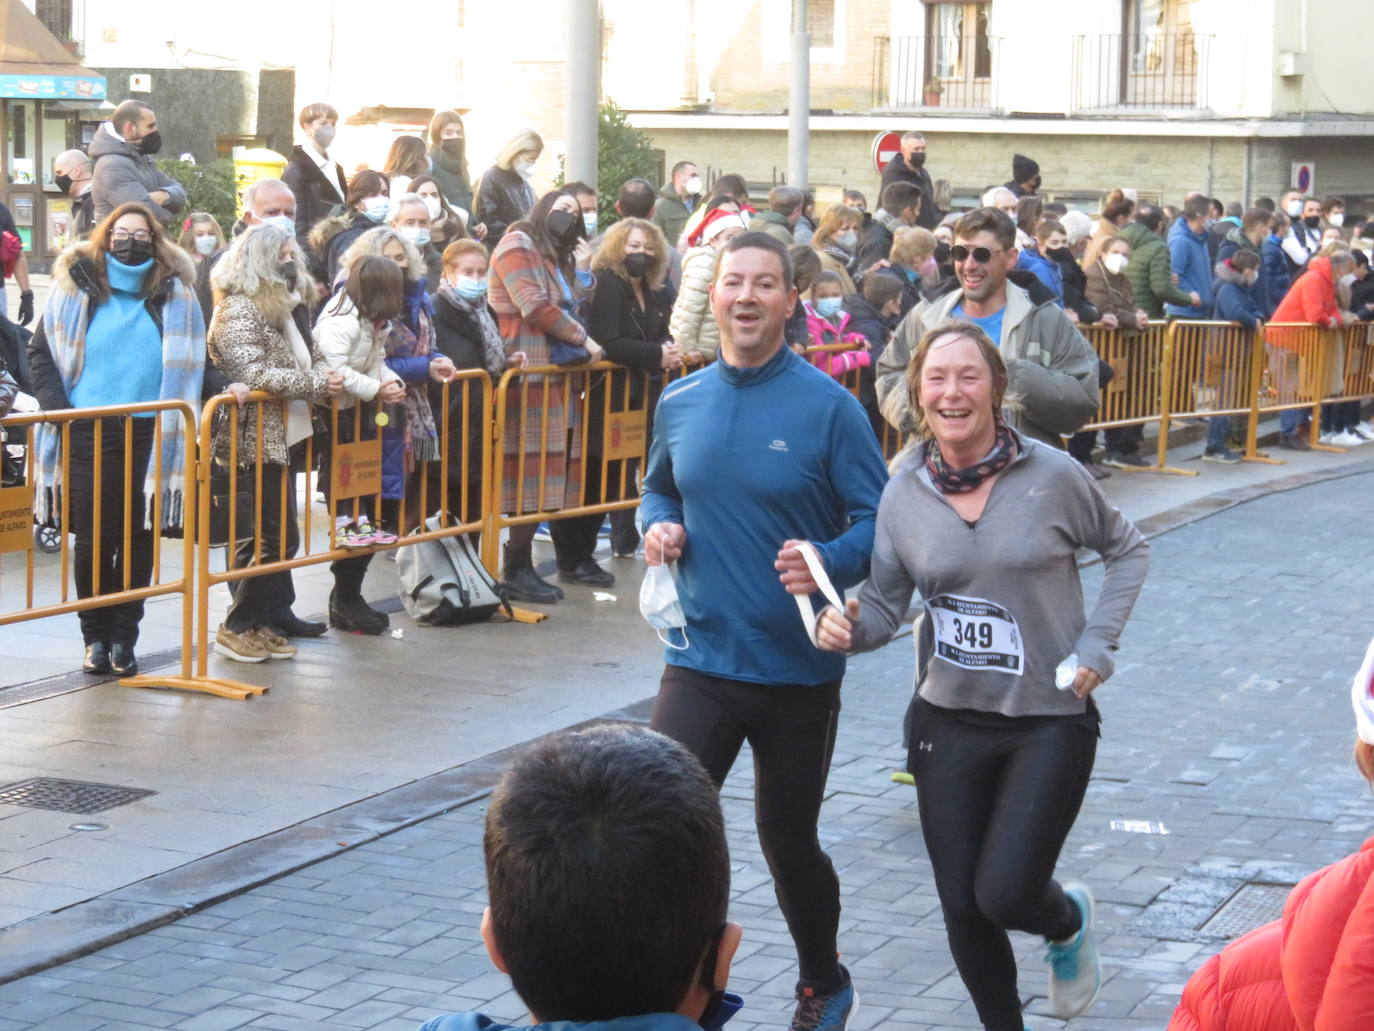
x,y
1225,760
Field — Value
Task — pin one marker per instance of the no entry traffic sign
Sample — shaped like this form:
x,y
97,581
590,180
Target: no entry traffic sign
x,y
886,145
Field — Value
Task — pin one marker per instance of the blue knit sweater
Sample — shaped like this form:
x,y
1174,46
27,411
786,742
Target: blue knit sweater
x,y
123,361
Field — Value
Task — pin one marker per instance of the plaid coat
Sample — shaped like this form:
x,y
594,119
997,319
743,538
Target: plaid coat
x,y
543,429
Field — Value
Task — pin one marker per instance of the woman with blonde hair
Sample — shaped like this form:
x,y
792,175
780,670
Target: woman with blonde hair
x,y
631,307
259,337
504,194
836,240
201,236
122,325
912,261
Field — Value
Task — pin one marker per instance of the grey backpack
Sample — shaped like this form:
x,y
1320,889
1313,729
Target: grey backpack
x,y
443,582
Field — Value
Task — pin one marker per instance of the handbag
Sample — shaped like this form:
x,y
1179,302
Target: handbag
x,y
560,351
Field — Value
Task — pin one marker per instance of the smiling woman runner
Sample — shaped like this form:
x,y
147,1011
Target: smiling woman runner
x,y
986,527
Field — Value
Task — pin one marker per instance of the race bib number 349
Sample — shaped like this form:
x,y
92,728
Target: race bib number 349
x,y
974,633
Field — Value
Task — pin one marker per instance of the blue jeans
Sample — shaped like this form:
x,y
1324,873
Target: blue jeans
x,y
1289,421
1217,427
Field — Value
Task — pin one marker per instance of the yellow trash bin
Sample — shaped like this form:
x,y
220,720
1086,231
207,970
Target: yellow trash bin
x,y
252,164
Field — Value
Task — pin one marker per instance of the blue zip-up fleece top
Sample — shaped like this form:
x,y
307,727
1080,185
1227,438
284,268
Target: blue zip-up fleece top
x,y
643,1022
746,459
1192,263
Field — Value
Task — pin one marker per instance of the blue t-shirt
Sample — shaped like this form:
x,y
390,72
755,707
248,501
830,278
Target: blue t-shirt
x,y
989,324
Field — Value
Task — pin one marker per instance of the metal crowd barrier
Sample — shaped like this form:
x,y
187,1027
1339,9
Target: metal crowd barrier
x,y
232,517
19,508
606,435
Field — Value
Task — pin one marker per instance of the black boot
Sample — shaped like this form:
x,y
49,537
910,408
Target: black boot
x,y
522,583
589,573
356,615
122,661
97,658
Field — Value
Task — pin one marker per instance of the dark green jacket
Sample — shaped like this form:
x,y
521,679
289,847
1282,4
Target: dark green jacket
x,y
1150,271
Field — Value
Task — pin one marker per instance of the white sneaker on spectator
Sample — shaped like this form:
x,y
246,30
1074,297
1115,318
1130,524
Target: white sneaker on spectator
x,y
1347,439
1363,430
1327,437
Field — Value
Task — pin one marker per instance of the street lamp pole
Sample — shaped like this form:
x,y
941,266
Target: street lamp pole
x,y
799,99
583,71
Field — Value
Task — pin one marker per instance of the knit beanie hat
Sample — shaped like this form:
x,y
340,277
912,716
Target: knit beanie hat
x,y
1023,168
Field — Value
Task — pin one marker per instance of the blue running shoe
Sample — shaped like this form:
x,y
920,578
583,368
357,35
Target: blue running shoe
x,y
825,1011
1075,966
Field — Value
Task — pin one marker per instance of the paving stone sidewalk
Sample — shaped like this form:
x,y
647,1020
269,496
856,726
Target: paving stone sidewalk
x,y
1228,722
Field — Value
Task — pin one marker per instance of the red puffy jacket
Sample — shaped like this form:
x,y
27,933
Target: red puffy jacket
x,y
1312,297
1311,970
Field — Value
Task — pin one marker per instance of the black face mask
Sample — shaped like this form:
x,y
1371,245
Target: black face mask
x,y
1060,254
130,251
64,183
453,149
636,265
942,254
287,270
1312,221
151,143
565,228
917,160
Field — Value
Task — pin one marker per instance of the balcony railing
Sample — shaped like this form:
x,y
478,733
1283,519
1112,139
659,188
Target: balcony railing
x,y
1141,72
955,72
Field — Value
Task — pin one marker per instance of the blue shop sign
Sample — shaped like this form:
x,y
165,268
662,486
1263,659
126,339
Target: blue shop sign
x,y
52,87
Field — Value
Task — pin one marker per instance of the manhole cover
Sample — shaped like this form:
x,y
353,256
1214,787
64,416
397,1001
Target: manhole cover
x,y
1250,906
69,796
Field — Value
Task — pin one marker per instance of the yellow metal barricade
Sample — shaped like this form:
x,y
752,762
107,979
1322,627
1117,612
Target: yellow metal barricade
x,y
235,491
604,411
1135,394
1298,364
1210,371
19,503
1358,378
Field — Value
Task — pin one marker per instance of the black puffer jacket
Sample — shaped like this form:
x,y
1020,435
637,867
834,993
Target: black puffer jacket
x,y
502,197
458,335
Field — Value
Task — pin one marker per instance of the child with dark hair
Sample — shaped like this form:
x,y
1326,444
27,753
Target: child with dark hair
x,y
608,877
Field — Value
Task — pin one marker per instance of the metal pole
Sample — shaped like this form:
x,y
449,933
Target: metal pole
x,y
583,88
799,99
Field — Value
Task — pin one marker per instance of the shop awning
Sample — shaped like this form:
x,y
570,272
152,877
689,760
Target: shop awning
x,y
35,64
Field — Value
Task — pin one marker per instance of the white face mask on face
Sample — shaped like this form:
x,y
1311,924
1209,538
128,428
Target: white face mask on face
x,y
1294,209
285,222
693,185
205,244
418,235
434,208
1337,218
376,208
524,169
1116,263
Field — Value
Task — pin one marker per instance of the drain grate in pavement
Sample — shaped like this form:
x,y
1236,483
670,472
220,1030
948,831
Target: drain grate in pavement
x,y
69,796
1252,905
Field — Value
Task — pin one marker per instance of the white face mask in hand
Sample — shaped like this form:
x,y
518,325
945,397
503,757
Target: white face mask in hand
x,y
659,603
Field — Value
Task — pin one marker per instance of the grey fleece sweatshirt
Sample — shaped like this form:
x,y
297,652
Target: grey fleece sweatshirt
x,y
1005,593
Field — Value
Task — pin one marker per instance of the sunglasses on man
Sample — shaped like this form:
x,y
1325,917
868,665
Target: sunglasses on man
x,y
982,255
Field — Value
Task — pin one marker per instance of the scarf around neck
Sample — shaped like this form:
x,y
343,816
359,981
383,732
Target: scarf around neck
x,y
970,478
65,321
412,338
493,347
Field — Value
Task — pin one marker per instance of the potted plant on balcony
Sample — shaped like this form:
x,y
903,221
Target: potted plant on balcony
x,y
932,91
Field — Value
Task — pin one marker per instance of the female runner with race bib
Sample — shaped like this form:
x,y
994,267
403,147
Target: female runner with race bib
x,y
985,524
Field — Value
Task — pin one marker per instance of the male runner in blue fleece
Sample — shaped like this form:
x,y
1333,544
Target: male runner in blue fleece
x,y
751,456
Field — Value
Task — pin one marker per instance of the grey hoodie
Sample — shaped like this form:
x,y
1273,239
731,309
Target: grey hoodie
x,y
124,174
1019,560
1051,366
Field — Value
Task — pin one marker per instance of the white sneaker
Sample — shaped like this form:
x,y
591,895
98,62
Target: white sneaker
x,y
1347,439
1363,430
1075,966
1328,438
